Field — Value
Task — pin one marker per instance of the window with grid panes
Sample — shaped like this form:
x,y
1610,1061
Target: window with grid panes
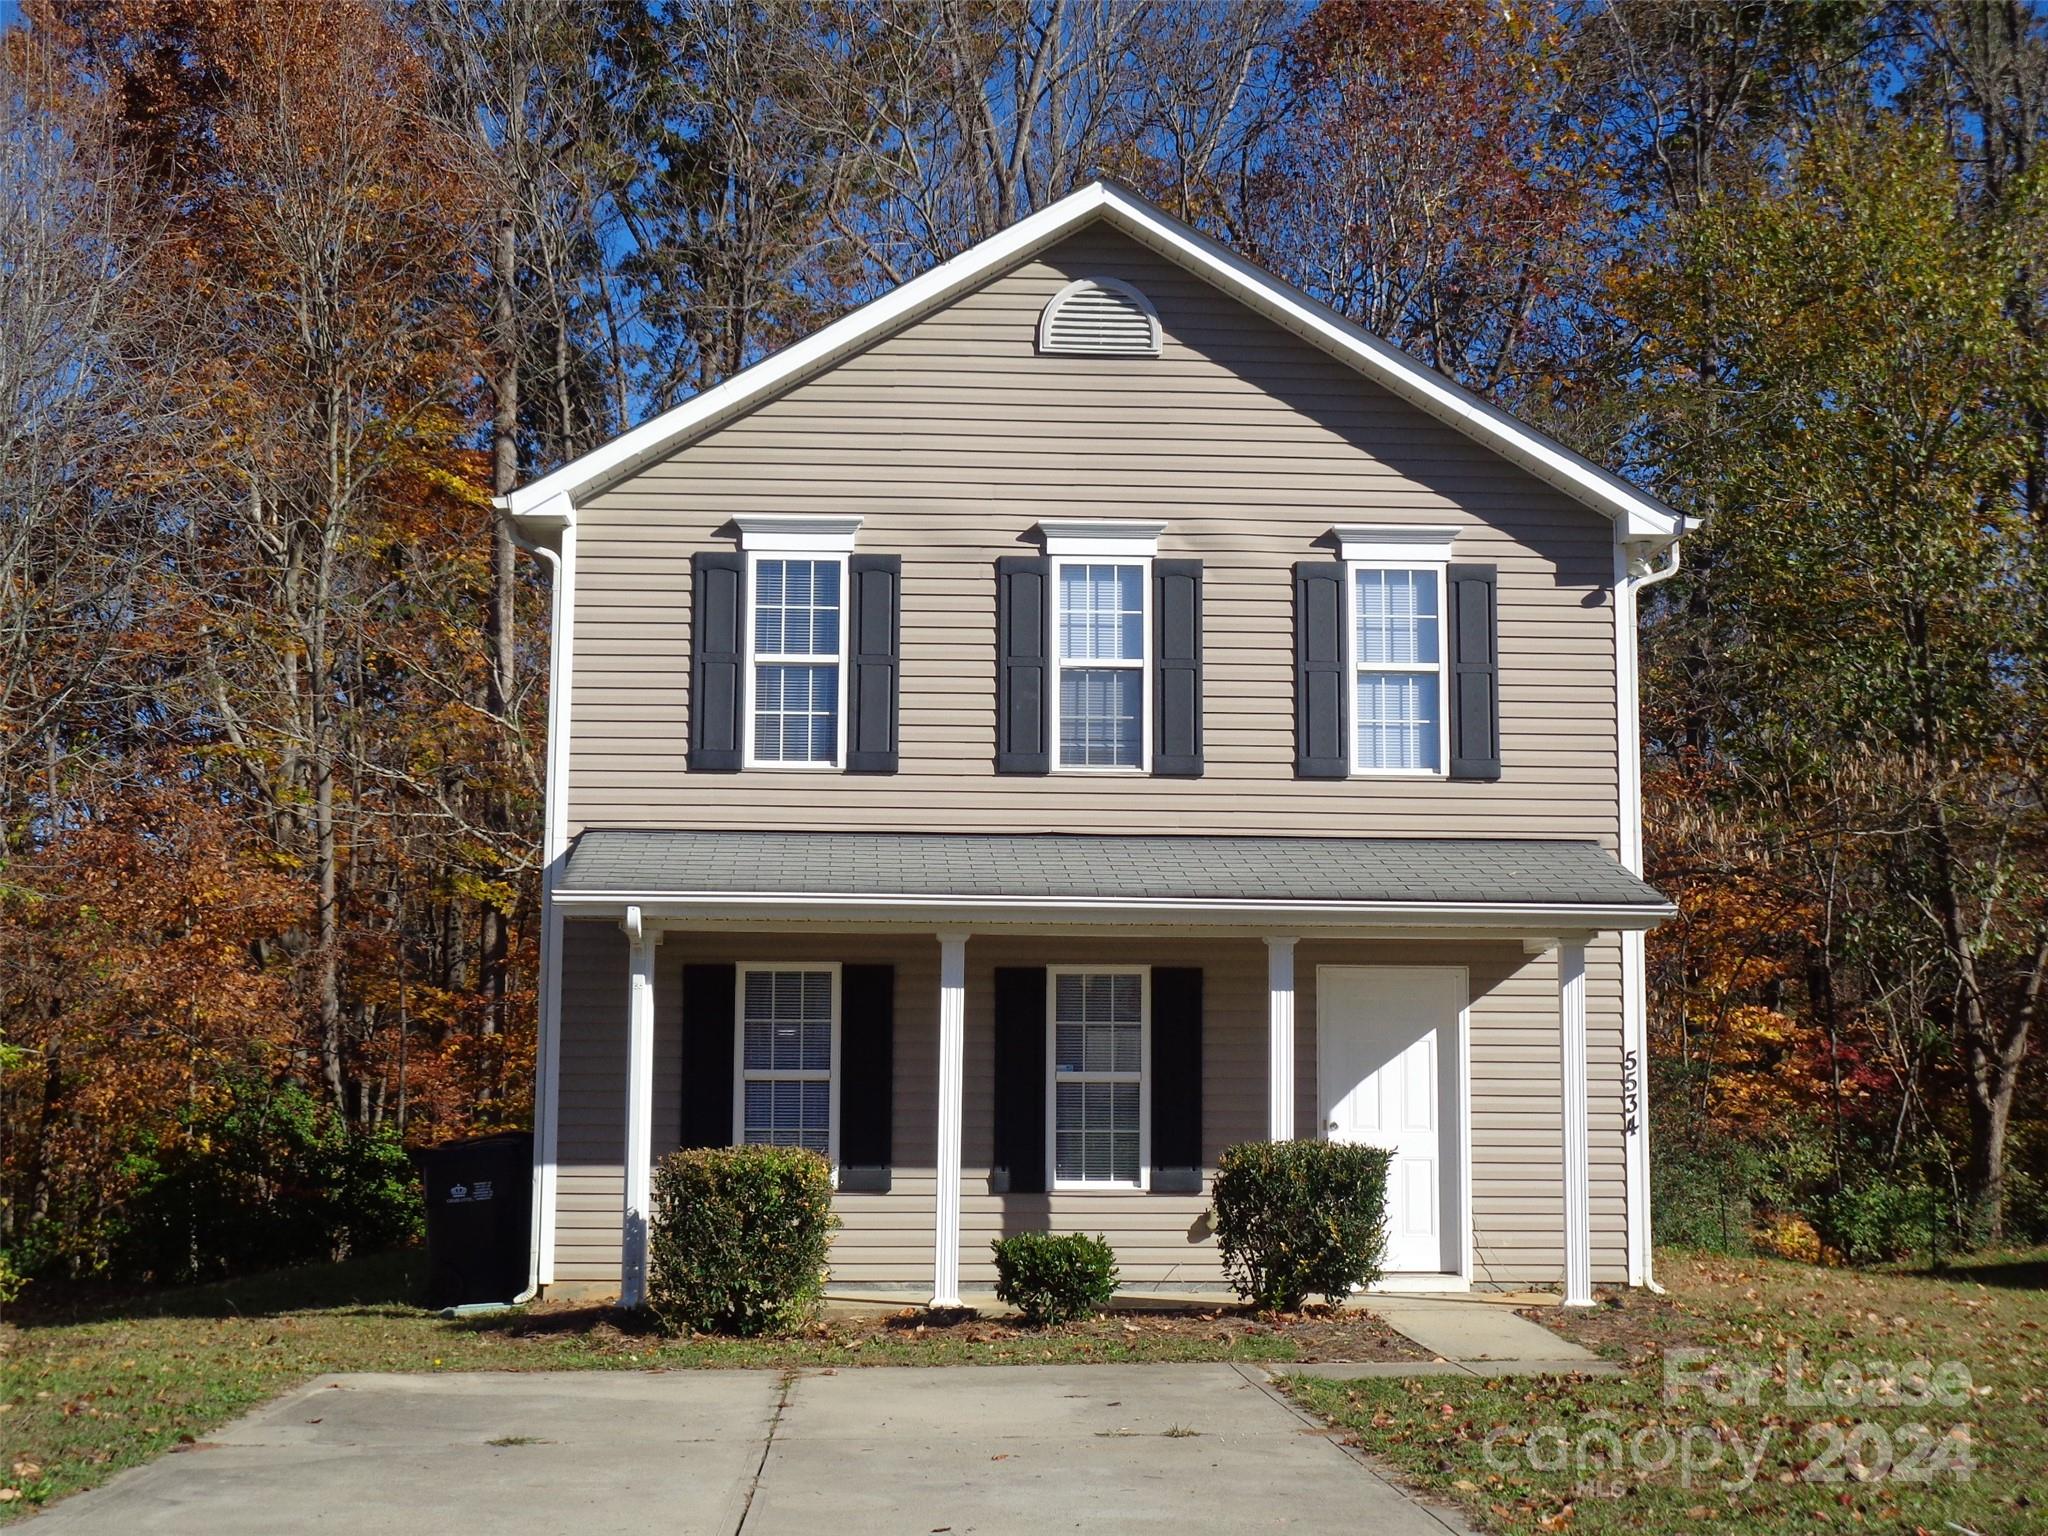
x,y
1098,1061
787,1020
1100,643
1397,670
797,645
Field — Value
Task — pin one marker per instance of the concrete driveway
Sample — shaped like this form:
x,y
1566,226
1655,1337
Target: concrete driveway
x,y
1178,1448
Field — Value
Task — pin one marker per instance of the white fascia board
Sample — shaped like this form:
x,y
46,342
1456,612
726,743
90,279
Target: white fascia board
x,y
1639,514
1107,538
1502,917
1395,543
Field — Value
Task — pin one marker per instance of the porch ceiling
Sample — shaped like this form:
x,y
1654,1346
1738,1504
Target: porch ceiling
x,y
1349,879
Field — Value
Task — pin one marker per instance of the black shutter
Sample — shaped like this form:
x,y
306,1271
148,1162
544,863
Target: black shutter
x,y
1319,747
867,1066
1474,592
1176,1078
1020,1076
1023,660
1177,668
873,624
718,642
709,1023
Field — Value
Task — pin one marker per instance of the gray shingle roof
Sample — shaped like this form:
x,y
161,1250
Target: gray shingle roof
x,y
1493,871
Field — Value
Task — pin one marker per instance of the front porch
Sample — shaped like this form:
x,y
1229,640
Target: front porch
x,y
1079,1066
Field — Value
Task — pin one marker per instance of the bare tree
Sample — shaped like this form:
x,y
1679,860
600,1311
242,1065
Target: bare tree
x,y
83,361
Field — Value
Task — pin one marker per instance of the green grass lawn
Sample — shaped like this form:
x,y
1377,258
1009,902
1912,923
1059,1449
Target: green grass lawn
x,y
1581,1454
84,1394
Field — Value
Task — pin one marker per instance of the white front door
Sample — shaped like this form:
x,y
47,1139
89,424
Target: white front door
x,y
1387,1066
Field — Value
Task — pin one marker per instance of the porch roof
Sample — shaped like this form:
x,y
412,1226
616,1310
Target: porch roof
x,y
1494,874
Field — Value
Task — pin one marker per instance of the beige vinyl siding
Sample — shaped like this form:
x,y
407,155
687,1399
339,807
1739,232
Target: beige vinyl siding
x,y
953,438
1161,1239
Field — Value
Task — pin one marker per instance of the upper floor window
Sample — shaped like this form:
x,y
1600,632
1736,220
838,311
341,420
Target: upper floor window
x,y
1397,661
1397,644
1099,636
1101,642
796,641
797,660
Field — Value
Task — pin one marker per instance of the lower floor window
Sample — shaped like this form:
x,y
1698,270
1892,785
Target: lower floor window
x,y
1098,1059
788,1028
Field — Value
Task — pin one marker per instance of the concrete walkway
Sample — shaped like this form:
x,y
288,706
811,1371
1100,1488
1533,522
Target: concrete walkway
x,y
1012,1449
1480,1336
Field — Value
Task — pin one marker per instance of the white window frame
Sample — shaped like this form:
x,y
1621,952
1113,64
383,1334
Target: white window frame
x,y
1053,1181
755,661
1143,665
1382,547
741,1075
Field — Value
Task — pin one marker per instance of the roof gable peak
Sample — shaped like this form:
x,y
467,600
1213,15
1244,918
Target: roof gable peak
x,y
1639,515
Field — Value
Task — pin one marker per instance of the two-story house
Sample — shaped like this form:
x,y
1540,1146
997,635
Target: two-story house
x,y
1087,708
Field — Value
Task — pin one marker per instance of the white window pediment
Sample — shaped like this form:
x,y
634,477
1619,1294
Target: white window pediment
x,y
798,532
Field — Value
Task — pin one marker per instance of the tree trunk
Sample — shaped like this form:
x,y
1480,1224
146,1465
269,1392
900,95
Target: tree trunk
x,y
498,620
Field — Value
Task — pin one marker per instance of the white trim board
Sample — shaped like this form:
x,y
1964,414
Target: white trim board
x,y
1638,513
1454,919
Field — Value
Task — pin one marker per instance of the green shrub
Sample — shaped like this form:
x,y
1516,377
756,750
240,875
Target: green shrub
x,y
1877,1218
269,1177
1296,1219
1702,1191
1054,1279
740,1238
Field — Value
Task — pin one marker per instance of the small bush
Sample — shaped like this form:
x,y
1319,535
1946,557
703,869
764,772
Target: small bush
x,y
1875,1218
1789,1235
1054,1279
1296,1219
740,1238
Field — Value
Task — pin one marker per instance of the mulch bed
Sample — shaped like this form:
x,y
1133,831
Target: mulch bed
x,y
1315,1334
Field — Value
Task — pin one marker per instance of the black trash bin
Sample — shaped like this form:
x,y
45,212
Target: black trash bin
x,y
479,1218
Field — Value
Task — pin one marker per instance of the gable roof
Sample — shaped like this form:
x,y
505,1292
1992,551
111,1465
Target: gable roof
x,y
547,501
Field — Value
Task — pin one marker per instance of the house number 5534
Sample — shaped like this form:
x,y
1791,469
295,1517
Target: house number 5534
x,y
1631,1093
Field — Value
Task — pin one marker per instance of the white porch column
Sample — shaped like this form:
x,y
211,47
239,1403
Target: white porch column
x,y
1578,1231
952,1047
1280,1039
639,1153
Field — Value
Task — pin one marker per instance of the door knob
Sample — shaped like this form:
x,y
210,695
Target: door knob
x,y
1332,1125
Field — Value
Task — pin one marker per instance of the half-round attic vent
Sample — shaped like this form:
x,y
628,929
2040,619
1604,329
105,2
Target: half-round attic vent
x,y
1100,317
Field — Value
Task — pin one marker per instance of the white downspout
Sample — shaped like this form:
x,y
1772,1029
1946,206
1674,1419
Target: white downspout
x,y
1631,577
554,844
